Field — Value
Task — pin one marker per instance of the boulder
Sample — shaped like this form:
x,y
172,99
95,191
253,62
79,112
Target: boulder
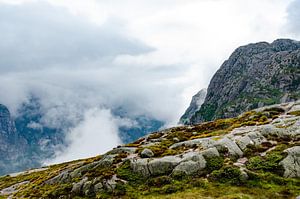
x,y
147,153
211,152
98,187
63,177
193,156
232,147
140,166
119,150
189,168
291,164
88,189
243,141
203,142
256,137
77,187
163,166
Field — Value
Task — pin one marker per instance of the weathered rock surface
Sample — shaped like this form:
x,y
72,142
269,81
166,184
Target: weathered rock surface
x,y
255,75
13,147
195,105
291,163
147,153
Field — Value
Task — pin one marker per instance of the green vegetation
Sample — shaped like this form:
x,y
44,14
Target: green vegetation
x,y
295,113
214,163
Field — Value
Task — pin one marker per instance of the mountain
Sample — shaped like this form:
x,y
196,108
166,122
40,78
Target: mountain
x,y
254,155
197,101
13,147
255,75
26,141
42,140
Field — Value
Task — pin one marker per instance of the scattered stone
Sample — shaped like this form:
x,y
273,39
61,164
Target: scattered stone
x,y
232,147
140,166
147,153
211,152
164,165
12,189
291,163
243,141
189,168
77,187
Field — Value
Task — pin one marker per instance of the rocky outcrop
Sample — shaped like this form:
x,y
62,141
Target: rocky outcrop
x,y
13,146
197,101
255,75
291,163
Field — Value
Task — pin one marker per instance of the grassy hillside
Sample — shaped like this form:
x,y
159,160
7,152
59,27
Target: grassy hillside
x,y
208,160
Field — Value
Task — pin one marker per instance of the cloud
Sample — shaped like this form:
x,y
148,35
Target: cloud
x,y
84,59
97,132
293,22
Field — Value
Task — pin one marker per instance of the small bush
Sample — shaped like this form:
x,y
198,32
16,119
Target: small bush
x,y
159,181
168,189
227,174
295,113
125,172
199,183
268,163
120,189
214,163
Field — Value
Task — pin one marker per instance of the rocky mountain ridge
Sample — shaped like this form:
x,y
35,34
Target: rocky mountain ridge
x,y
12,146
255,75
195,105
254,155
26,141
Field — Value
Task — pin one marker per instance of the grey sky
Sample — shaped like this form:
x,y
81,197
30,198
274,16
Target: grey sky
x,y
84,58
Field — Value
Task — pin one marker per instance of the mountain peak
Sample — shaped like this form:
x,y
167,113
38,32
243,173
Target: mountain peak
x,y
255,75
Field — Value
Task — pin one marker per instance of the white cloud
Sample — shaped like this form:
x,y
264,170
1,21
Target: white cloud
x,y
293,22
148,57
98,132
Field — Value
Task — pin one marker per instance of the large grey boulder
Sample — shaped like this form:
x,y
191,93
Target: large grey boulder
x,y
291,163
211,152
140,166
203,142
256,137
290,132
193,156
233,148
77,187
164,165
243,141
147,153
119,150
189,168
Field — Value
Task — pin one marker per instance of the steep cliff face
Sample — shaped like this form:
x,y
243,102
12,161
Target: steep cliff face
x,y
254,75
195,105
13,146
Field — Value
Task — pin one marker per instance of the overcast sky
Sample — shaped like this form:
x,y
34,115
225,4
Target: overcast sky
x,y
84,58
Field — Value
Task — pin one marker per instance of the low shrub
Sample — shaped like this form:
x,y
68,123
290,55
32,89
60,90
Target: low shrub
x,y
268,163
214,163
228,174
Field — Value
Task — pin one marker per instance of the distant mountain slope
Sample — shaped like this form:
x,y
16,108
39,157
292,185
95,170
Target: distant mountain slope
x,y
254,75
194,106
26,141
13,147
255,155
